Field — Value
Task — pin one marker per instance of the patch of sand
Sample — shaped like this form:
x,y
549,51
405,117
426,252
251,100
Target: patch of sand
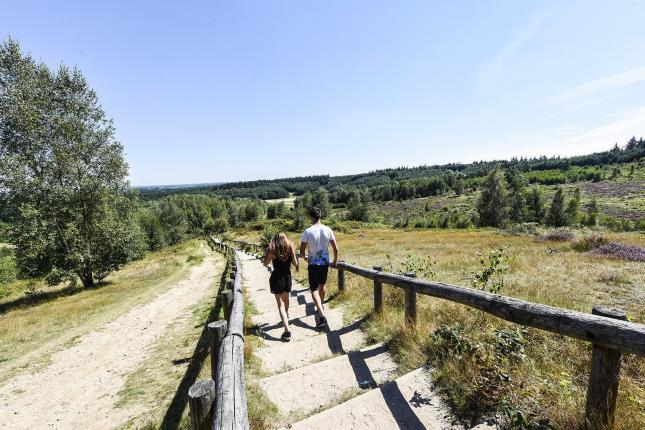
x,y
79,388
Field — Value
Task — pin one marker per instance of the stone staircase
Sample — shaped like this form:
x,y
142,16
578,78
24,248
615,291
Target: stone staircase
x,y
332,379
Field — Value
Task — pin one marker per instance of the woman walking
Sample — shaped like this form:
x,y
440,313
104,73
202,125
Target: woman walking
x,y
282,256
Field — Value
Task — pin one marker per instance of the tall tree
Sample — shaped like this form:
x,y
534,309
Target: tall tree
x,y
492,205
64,171
557,216
536,207
518,211
573,208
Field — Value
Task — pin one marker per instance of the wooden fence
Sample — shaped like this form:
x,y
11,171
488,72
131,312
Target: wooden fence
x,y
606,328
220,402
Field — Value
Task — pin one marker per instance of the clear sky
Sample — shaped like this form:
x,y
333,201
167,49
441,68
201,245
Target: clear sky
x,y
234,90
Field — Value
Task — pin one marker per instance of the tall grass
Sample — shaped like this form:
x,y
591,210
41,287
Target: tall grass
x,y
486,366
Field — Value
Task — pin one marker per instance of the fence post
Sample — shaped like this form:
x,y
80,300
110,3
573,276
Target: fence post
x,y
201,397
217,331
232,274
227,299
603,378
410,302
378,291
341,278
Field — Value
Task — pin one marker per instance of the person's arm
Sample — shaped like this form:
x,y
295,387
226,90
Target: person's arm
x,y
303,248
294,260
267,258
334,248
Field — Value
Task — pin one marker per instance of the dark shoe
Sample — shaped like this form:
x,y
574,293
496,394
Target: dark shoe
x,y
286,336
322,322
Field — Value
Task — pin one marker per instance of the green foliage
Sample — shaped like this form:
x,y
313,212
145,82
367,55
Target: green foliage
x,y
492,205
4,232
518,211
8,269
588,242
572,211
64,172
358,206
494,265
423,267
557,216
517,419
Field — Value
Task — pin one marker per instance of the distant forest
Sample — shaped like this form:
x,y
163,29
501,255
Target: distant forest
x,y
412,182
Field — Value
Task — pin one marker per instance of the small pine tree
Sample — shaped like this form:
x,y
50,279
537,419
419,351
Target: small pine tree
x,y
592,213
517,201
492,205
557,216
536,207
573,207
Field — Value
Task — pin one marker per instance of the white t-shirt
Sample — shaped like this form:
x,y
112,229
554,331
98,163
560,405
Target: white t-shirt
x,y
317,238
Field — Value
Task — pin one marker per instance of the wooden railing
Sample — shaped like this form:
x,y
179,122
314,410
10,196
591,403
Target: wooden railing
x,y
606,328
220,402
242,244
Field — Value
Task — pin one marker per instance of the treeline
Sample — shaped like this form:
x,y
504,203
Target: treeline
x,y
506,198
406,183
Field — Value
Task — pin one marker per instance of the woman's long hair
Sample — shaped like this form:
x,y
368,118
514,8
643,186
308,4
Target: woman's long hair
x,y
281,247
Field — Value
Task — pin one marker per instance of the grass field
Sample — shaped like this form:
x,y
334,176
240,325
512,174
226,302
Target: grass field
x,y
484,365
33,327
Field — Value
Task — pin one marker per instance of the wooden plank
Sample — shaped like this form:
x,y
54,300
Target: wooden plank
x,y
622,335
241,420
223,415
410,302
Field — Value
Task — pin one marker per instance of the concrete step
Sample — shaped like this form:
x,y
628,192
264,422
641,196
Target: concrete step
x,y
408,402
300,327
303,390
278,356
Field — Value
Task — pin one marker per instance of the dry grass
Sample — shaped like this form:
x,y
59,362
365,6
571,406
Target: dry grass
x,y
545,376
159,385
31,332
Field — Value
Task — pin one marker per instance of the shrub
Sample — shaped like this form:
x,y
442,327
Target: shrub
x,y
523,229
559,235
8,270
620,252
589,242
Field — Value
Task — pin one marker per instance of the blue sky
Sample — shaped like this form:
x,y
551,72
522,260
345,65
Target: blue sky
x,y
220,91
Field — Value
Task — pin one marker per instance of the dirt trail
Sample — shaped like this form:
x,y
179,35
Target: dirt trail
x,y
79,388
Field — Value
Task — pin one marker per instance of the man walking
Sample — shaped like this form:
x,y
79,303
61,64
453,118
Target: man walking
x,y
317,238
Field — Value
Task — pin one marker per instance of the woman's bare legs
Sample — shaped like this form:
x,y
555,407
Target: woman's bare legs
x,y
282,300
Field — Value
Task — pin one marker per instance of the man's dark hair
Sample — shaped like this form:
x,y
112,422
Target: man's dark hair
x,y
314,212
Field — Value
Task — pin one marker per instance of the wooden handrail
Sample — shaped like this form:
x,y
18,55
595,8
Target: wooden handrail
x,y
229,406
606,328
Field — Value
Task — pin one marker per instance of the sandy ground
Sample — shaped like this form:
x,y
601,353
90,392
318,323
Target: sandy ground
x,y
79,388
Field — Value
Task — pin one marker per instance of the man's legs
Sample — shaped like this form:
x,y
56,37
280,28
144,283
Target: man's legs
x,y
315,295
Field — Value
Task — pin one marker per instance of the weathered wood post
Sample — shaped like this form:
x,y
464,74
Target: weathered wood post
x,y
201,396
604,378
227,299
410,302
217,331
378,291
341,278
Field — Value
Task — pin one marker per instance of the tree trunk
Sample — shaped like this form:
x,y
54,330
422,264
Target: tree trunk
x,y
87,279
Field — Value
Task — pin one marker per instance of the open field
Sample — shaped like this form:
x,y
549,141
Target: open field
x,y
485,365
32,329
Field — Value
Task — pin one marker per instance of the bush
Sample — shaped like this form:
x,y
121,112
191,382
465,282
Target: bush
x,y
589,242
620,252
559,235
523,229
8,269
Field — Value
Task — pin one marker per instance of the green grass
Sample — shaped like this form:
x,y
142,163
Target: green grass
x,y
33,329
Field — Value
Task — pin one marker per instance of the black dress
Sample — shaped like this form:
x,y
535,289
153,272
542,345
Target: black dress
x,y
280,280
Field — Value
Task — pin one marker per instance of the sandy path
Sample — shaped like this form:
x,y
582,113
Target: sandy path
x,y
79,388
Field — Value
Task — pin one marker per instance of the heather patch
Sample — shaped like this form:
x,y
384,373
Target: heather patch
x,y
620,252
